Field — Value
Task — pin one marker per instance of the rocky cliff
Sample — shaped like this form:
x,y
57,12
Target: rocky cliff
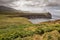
x,y
17,13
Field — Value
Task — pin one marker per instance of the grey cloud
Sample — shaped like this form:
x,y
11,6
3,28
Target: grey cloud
x,y
6,1
48,2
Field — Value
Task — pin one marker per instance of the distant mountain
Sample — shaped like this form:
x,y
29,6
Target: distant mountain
x,y
4,8
9,11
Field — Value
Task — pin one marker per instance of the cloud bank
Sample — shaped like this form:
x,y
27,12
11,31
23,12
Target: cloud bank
x,y
25,4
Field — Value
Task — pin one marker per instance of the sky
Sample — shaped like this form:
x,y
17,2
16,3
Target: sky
x,y
10,1
29,4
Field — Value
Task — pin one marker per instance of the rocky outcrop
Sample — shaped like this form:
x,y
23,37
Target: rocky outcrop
x,y
18,13
36,15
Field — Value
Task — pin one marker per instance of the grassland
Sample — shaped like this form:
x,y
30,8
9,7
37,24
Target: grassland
x,y
19,28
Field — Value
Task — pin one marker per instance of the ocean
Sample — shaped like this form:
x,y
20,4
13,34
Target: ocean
x,y
55,12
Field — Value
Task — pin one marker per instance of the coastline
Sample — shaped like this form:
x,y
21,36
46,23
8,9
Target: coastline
x,y
51,21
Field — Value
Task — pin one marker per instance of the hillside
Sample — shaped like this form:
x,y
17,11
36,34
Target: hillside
x,y
3,8
18,28
9,11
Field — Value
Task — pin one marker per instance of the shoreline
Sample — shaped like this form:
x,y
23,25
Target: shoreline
x,y
37,21
51,21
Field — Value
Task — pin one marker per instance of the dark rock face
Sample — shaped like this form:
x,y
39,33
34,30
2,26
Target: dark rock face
x,y
37,15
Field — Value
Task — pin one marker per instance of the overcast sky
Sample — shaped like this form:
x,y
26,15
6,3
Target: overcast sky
x,y
20,4
2,2
6,1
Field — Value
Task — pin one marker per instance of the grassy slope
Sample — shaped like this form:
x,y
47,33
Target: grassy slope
x,y
18,28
